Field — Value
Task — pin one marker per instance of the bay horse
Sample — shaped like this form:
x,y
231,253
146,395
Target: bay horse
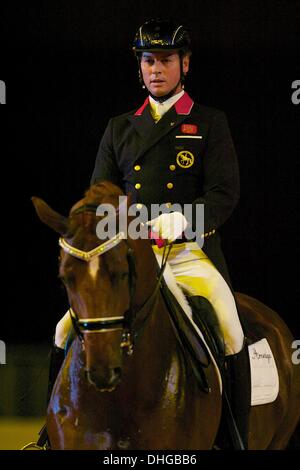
x,y
112,393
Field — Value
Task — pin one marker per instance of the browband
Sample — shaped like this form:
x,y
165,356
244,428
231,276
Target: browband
x,y
98,251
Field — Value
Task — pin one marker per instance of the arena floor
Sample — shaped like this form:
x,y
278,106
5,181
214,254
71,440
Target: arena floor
x,y
16,432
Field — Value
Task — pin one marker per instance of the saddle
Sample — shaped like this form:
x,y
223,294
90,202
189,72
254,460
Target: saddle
x,y
194,349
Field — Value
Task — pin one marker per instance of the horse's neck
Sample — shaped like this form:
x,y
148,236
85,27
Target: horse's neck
x,y
156,348
156,344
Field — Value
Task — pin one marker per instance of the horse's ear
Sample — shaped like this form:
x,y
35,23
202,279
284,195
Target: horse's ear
x,y
48,216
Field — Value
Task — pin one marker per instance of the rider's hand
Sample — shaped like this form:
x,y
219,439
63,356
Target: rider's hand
x,y
169,226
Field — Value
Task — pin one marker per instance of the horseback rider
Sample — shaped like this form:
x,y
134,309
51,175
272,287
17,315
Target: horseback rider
x,y
172,150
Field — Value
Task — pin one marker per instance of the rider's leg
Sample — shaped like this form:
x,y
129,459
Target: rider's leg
x,y
64,335
238,389
197,276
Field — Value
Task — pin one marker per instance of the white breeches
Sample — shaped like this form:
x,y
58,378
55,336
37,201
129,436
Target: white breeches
x,y
195,274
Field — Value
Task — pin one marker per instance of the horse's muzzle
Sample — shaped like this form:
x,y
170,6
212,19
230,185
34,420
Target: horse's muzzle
x,y
105,380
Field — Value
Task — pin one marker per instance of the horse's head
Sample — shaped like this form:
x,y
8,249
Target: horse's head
x,y
99,277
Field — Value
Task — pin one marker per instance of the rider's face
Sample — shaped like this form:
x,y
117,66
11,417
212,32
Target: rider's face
x,y
161,71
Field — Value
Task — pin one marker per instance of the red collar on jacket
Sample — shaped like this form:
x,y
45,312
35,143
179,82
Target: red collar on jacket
x,y
182,106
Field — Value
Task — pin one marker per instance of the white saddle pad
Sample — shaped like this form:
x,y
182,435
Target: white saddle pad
x,y
264,374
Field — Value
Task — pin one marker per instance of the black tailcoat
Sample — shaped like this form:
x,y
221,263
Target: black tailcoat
x,y
187,157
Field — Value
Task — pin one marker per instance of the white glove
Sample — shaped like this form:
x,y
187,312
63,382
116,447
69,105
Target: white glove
x,y
169,226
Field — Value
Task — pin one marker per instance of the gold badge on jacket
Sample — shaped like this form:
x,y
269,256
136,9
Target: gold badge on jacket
x,y
185,159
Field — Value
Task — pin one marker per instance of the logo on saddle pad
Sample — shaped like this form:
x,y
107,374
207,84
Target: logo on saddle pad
x,y
264,374
185,159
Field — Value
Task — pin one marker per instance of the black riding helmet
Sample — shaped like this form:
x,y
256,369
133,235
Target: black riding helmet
x,y
162,35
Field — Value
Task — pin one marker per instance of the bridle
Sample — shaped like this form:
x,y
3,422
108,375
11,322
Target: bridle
x,y
106,324
131,320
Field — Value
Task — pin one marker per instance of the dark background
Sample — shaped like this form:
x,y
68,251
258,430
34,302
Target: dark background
x,y
68,68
